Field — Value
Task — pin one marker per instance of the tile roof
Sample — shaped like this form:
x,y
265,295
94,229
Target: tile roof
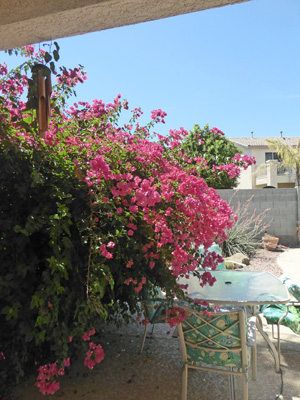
x,y
261,141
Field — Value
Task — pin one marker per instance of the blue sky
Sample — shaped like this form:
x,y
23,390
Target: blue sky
x,y
235,67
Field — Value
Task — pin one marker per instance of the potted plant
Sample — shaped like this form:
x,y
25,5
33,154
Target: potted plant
x,y
270,242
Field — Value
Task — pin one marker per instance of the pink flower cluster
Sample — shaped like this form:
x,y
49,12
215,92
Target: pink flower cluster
x,y
46,377
138,285
72,77
103,249
99,169
158,115
3,69
244,160
233,170
87,335
174,316
217,131
48,373
29,51
94,355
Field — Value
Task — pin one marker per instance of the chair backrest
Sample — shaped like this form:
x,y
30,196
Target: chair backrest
x,y
216,339
293,288
153,306
214,248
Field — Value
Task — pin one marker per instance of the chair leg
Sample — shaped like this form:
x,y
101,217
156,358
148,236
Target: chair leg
x,y
232,386
254,362
245,386
278,341
144,338
153,325
184,382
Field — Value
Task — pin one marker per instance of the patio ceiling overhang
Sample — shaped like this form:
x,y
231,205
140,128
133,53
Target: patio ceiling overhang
x,y
24,22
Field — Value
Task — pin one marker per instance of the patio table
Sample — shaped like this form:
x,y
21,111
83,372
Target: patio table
x,y
245,288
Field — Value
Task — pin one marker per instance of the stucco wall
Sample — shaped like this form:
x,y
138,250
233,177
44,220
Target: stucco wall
x,y
34,21
284,205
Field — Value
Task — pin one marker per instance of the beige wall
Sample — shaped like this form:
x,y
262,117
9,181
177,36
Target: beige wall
x,y
247,178
256,177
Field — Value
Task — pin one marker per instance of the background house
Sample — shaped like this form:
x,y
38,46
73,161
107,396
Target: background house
x,y
267,171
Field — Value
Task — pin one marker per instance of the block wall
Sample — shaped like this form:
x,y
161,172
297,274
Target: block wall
x,y
283,205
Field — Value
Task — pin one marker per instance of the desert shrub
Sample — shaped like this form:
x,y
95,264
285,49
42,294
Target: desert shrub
x,y
245,235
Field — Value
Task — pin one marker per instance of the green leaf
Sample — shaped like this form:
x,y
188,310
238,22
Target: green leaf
x,y
67,242
52,67
47,57
55,55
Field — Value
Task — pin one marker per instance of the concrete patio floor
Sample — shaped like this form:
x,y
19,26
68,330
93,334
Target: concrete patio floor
x,y
156,374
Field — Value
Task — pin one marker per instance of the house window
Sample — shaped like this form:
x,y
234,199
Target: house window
x,y
271,156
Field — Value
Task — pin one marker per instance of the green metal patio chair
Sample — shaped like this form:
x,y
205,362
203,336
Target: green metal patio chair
x,y
223,265
216,343
154,310
214,248
285,314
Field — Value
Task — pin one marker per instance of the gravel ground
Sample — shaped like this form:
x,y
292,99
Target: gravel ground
x,y
265,260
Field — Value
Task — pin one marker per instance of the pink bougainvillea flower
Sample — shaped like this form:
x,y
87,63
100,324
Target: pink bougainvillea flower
x,y
61,371
99,354
53,369
67,362
86,336
151,264
89,363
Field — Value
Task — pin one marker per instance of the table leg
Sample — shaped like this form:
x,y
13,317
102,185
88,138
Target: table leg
x,y
268,341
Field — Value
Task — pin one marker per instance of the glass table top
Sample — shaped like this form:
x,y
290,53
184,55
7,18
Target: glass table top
x,y
239,287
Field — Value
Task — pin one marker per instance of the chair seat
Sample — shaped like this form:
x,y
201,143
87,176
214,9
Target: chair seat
x,y
273,313
216,358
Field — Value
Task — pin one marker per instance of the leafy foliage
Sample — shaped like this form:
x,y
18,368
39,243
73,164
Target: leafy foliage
x,y
289,155
42,253
216,151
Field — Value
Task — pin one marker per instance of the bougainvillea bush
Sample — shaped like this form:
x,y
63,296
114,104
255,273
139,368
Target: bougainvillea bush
x,y
90,215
